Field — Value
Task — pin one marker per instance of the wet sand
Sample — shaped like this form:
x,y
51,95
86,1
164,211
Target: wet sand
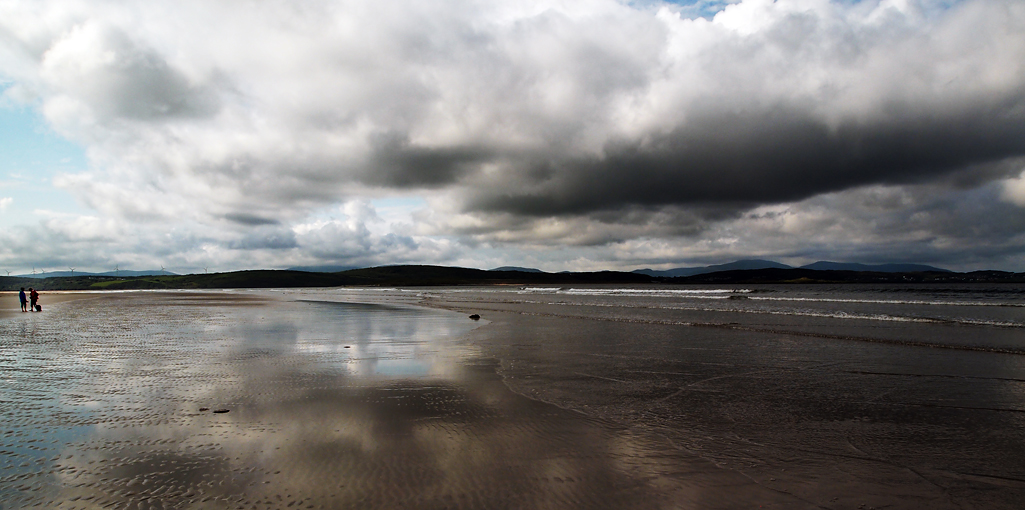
x,y
852,418
112,403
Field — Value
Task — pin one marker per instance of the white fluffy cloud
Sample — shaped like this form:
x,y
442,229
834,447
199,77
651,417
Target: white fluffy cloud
x,y
1014,190
604,125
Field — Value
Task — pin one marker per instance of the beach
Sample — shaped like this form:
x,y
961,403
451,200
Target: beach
x,y
557,398
11,305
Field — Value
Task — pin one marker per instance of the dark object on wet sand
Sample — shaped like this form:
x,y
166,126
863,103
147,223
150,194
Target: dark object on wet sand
x,y
39,308
220,411
201,409
475,317
348,346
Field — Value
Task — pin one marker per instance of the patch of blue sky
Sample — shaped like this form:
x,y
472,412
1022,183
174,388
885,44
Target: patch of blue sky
x,y
691,8
709,8
393,210
31,154
402,205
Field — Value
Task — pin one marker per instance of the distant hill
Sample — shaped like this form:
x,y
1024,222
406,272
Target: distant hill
x,y
514,268
373,276
800,275
882,268
821,265
440,275
738,265
406,276
322,269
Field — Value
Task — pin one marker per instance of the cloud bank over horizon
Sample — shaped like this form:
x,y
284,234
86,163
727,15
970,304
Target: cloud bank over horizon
x,y
554,134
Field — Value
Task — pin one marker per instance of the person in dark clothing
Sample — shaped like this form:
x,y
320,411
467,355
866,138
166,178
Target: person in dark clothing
x,y
24,300
34,296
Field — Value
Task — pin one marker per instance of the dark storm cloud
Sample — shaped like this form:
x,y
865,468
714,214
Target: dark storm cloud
x,y
748,158
397,163
250,220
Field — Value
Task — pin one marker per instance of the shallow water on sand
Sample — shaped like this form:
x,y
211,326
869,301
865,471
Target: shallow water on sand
x,y
296,400
853,396
980,317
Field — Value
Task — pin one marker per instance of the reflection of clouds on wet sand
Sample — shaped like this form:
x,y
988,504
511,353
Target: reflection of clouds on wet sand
x,y
406,417
407,444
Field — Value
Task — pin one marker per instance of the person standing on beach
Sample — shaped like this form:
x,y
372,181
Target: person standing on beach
x,y
34,296
24,301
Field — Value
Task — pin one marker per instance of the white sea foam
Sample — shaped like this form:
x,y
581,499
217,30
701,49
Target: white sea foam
x,y
634,292
797,312
886,301
716,294
538,290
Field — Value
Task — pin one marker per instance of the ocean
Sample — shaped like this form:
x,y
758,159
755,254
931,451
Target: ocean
x,y
966,316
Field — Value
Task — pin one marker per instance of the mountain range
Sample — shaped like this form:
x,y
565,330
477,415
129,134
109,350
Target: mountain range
x,y
746,264
768,264
438,275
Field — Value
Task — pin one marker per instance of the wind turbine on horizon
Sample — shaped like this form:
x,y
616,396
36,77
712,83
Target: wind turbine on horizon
x,y
72,270
117,271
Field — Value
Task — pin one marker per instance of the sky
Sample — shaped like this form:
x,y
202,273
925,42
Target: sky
x,y
555,134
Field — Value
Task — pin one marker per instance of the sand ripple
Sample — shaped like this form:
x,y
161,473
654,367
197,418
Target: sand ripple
x,y
192,400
